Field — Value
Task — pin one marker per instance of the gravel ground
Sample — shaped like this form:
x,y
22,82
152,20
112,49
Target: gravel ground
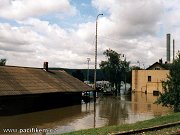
x,y
166,131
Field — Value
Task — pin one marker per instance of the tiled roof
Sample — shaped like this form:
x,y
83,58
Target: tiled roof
x,y
156,64
22,80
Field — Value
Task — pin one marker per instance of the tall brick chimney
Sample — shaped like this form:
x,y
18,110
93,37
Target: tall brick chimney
x,y
173,49
45,66
168,48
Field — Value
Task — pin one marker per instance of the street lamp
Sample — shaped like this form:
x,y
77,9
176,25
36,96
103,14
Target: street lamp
x,y
96,57
88,59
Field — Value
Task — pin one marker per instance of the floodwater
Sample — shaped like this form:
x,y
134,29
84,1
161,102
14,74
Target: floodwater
x,y
109,110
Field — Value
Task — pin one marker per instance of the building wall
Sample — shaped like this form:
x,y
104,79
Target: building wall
x,y
141,83
17,104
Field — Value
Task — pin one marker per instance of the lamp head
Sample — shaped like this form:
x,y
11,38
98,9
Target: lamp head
x,y
99,14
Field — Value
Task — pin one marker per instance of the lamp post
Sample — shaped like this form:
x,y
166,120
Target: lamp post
x,y
88,59
96,58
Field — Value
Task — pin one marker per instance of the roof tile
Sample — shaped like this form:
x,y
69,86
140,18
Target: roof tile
x,y
23,80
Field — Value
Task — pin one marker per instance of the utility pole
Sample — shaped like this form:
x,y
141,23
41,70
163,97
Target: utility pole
x,y
96,58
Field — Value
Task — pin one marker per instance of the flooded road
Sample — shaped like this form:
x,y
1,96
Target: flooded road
x,y
108,111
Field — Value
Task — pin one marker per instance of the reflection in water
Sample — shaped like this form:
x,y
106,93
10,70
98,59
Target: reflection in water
x,y
108,111
113,110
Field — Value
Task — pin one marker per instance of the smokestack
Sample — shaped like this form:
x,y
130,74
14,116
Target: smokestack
x,y
45,66
168,47
173,48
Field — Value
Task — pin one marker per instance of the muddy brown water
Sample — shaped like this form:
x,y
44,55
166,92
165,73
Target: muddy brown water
x,y
108,110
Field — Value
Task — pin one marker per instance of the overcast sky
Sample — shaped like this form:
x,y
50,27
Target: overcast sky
x,y
62,32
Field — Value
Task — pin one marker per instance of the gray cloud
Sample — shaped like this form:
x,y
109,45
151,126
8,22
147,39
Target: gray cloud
x,y
21,9
135,28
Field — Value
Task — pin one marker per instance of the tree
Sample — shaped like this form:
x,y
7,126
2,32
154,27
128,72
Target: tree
x,y
114,68
3,62
135,68
171,95
78,74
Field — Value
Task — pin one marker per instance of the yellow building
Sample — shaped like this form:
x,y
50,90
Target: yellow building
x,y
150,80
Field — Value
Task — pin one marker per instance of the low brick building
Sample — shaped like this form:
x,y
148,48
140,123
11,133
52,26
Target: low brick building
x,y
24,89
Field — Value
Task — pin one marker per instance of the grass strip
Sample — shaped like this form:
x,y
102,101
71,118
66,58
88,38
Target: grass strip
x,y
170,118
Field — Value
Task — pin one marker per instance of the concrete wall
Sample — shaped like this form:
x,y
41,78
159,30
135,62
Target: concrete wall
x,y
140,80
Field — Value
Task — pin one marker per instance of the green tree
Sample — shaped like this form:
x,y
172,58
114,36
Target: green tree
x,y
171,95
3,62
135,68
115,68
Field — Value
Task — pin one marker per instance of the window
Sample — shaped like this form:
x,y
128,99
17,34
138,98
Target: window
x,y
155,93
149,78
157,68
